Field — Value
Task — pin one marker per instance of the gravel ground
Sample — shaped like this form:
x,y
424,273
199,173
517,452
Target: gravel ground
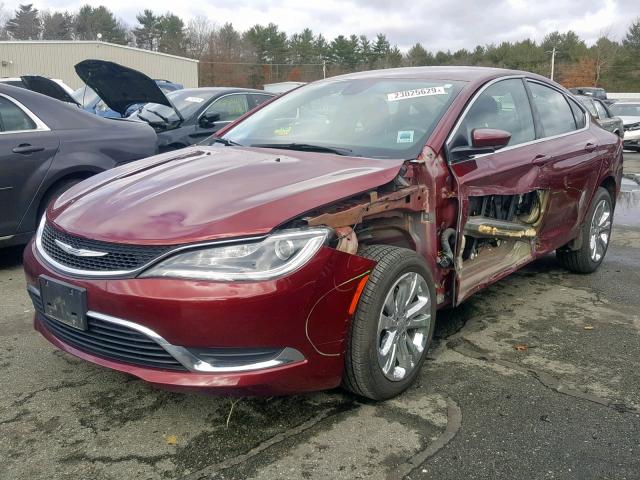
x,y
535,377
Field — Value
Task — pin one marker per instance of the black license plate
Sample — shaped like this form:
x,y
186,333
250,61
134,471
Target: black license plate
x,y
64,302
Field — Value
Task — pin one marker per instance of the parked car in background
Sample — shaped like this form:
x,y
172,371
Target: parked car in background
x,y
51,87
602,114
313,242
594,92
629,112
180,118
91,102
197,113
46,146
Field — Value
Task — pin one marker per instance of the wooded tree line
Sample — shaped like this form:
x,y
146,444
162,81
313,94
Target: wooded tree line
x,y
265,54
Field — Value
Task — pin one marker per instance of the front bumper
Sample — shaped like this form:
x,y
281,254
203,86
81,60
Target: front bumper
x,y
303,316
631,138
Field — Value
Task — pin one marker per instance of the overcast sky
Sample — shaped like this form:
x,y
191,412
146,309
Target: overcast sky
x,y
437,24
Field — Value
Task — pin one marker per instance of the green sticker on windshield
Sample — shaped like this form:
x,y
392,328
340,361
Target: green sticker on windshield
x,y
282,132
405,136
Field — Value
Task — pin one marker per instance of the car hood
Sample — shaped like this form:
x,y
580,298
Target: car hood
x,y
119,86
629,120
207,193
48,87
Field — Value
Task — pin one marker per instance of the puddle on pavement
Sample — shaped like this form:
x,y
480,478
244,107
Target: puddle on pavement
x,y
628,207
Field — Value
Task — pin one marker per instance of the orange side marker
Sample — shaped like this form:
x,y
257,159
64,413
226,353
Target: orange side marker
x,y
356,295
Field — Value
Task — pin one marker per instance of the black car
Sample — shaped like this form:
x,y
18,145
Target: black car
x,y
602,114
593,92
180,118
46,146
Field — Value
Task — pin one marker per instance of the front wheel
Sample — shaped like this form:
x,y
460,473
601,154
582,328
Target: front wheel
x,y
596,233
393,325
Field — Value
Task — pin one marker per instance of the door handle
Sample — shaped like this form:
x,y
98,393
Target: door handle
x,y
590,147
26,148
540,159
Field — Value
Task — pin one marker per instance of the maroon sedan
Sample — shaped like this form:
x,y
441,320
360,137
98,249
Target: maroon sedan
x,y
311,244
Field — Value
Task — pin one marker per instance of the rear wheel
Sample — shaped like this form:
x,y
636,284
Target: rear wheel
x,y
54,193
596,233
393,324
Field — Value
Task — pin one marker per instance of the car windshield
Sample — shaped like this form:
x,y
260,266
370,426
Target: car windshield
x,y
188,102
626,109
371,117
85,96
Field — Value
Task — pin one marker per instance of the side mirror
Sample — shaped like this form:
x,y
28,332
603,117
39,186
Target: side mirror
x,y
489,138
483,140
208,119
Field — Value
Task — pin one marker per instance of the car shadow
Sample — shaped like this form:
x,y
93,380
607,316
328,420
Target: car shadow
x,y
11,257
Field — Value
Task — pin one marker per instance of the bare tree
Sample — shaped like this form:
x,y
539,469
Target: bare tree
x,y
4,18
199,31
604,53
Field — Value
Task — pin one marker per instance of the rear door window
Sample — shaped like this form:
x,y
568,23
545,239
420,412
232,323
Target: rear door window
x,y
12,118
553,109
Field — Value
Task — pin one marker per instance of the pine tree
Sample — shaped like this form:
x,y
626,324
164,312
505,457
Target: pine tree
x,y
26,24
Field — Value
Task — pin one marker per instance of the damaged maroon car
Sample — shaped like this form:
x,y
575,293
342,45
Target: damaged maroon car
x,y
311,244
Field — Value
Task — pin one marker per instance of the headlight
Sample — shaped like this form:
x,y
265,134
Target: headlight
x,y
277,255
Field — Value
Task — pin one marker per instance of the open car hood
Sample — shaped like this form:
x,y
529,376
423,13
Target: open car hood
x,y
119,86
47,87
207,193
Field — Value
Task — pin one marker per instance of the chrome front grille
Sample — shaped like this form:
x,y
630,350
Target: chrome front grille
x,y
118,257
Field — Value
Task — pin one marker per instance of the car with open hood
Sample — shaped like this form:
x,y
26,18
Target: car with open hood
x,y
312,242
46,146
629,113
91,102
180,118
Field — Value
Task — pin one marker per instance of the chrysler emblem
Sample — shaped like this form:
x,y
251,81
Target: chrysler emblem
x,y
79,252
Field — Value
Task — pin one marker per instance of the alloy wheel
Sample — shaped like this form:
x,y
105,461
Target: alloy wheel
x,y
600,230
403,326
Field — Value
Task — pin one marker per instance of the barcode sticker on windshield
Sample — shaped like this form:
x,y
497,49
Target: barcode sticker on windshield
x,y
417,92
405,136
194,99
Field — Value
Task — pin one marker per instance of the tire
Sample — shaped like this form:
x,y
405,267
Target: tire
x,y
583,259
363,366
54,193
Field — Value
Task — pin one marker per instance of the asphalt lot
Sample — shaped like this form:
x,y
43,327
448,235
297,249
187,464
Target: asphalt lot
x,y
536,377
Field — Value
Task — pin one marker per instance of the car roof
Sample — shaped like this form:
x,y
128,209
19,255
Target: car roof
x,y
221,90
455,73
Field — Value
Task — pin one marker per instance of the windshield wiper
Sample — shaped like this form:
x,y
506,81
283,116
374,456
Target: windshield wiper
x,y
165,119
143,118
305,147
224,141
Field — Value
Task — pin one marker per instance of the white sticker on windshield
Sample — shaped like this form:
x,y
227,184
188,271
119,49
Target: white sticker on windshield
x,y
194,99
417,92
405,136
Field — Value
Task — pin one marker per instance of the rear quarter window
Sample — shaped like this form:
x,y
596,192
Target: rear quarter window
x,y
578,114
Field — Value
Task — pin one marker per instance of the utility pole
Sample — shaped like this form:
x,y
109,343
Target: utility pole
x,y
324,69
553,61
